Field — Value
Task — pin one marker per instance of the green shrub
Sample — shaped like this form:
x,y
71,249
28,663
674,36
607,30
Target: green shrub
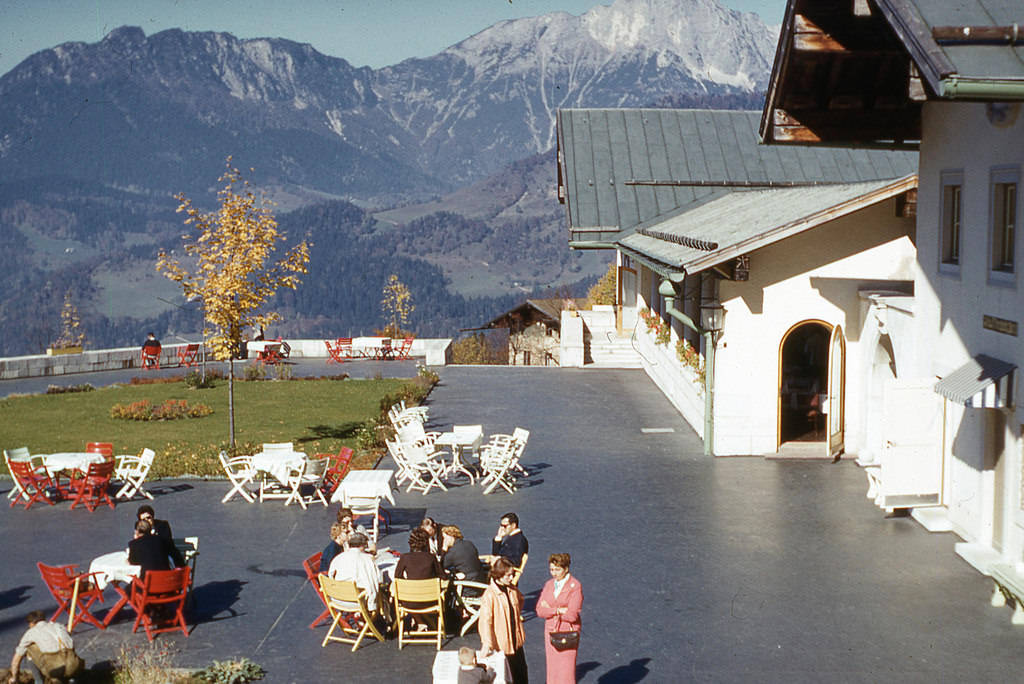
x,y
231,672
195,379
172,409
256,371
54,389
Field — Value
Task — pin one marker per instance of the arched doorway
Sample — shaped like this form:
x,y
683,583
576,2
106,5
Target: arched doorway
x,y
803,382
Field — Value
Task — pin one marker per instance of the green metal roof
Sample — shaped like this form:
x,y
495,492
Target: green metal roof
x,y
737,223
603,153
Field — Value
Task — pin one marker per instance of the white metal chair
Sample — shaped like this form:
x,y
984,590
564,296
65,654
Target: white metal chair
x,y
133,471
240,472
311,475
411,430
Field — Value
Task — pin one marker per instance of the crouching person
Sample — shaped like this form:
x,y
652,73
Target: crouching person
x,y
49,647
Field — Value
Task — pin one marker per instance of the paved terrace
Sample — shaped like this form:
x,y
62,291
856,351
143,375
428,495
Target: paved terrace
x,y
694,569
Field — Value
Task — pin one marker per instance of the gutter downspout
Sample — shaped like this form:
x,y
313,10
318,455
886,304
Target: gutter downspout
x,y
667,290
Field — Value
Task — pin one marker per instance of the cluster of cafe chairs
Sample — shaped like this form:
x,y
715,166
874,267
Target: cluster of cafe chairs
x,y
424,466
383,349
301,480
36,481
351,619
158,599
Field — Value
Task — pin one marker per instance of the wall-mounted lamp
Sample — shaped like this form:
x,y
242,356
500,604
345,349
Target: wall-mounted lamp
x,y
712,317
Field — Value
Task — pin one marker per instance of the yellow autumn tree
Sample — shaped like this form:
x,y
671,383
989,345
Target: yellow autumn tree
x,y
396,307
231,268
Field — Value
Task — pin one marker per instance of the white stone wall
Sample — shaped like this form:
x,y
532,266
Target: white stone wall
x,y
982,488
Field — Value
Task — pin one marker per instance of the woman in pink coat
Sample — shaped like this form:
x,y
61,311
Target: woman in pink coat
x,y
560,604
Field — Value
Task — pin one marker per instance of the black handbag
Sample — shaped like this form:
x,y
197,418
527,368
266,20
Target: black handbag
x,y
565,641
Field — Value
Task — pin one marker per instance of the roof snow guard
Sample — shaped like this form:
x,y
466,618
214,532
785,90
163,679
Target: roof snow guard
x,y
982,382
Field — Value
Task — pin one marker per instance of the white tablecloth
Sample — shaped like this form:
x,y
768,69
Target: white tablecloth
x,y
278,463
446,667
365,483
113,567
70,460
469,437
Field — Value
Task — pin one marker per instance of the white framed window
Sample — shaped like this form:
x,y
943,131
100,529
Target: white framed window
x,y
951,218
1003,221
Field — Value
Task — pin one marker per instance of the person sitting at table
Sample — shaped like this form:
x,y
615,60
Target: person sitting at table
x,y
357,565
162,529
339,540
50,649
418,563
151,344
461,558
472,673
147,550
435,540
510,541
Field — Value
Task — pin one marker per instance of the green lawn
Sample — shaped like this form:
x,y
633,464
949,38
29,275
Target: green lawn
x,y
319,416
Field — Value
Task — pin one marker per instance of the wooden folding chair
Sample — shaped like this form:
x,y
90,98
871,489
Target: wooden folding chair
x,y
312,567
32,484
151,357
345,599
402,350
469,597
337,468
428,593
240,473
132,471
337,351
310,475
60,581
271,354
187,355
91,490
150,595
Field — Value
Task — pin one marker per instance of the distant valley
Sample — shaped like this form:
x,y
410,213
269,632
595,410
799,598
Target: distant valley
x,y
440,169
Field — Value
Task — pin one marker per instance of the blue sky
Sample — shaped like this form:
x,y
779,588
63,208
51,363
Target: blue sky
x,y
364,32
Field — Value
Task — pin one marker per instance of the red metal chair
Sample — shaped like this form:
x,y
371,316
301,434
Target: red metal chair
x,y
33,483
91,490
187,355
312,567
337,469
151,357
60,581
150,595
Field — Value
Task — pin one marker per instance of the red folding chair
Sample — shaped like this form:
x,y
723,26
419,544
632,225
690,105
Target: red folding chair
x,y
385,351
105,448
91,490
60,581
336,351
312,567
151,596
187,355
402,350
337,469
151,357
33,483
271,354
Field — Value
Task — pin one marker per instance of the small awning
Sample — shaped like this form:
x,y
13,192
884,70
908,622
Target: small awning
x,y
982,382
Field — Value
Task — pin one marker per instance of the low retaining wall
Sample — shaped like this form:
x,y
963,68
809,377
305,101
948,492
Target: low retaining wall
x,y
435,352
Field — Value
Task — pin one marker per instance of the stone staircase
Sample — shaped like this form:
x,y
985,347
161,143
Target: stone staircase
x,y
607,349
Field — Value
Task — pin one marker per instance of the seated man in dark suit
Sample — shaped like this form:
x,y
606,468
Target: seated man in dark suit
x,y
162,529
147,550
